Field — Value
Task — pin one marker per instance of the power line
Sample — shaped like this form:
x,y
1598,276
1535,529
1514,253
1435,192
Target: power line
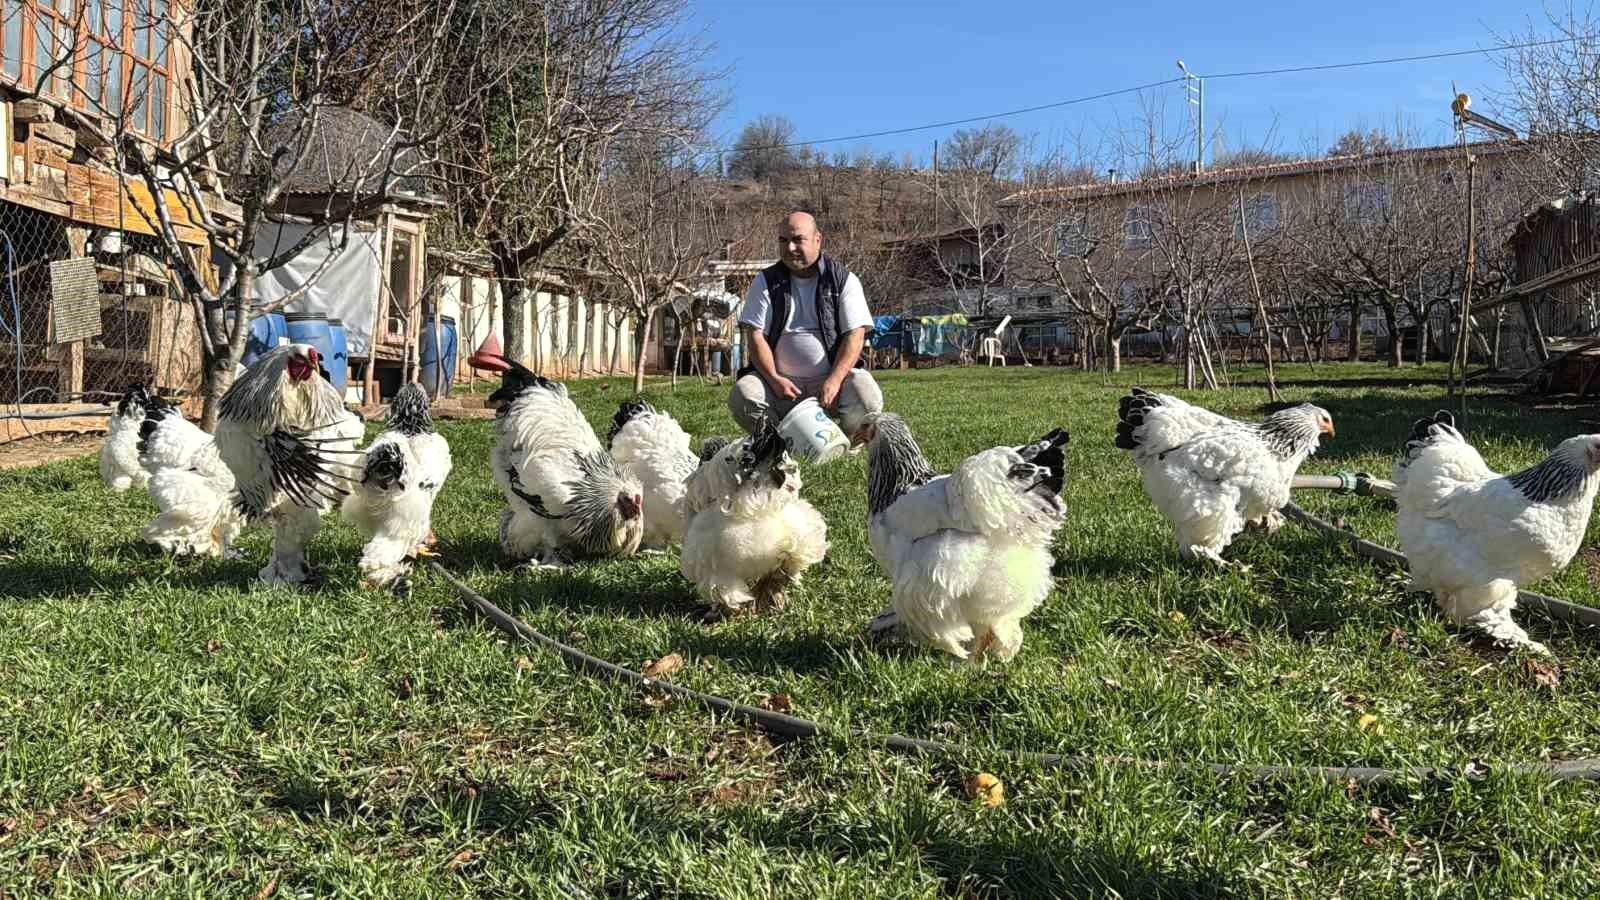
x,y
1257,73
1396,59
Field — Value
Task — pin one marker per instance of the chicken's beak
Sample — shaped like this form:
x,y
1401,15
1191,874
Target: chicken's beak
x,y
1327,428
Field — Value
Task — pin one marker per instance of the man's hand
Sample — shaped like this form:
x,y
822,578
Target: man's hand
x,y
787,390
829,392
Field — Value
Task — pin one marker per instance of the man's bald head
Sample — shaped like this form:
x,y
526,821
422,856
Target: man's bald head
x,y
799,242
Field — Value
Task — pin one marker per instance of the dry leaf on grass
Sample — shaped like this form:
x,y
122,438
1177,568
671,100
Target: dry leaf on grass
x,y
522,664
663,667
1380,820
777,703
1369,722
268,890
1546,673
461,859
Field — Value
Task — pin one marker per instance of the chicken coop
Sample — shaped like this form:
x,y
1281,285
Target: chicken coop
x,y
88,304
1557,287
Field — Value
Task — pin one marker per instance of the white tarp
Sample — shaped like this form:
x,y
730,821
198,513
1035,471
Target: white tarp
x,y
346,290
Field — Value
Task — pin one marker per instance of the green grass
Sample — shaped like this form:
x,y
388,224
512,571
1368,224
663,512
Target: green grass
x,y
170,728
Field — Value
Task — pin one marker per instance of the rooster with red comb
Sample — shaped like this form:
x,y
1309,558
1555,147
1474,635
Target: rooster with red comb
x,y
285,434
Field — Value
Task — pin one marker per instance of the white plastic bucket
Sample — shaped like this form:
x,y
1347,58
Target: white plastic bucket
x,y
810,435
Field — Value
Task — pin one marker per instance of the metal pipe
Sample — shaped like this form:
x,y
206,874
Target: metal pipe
x,y
1345,483
61,414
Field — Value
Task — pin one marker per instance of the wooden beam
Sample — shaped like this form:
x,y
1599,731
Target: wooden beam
x,y
33,110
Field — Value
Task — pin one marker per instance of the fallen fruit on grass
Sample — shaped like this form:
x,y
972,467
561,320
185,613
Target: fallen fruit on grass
x,y
986,788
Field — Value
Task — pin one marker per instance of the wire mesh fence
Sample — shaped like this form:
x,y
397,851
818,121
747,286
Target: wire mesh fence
x,y
87,311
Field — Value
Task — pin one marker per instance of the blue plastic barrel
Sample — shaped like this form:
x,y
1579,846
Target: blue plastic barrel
x,y
341,346
312,328
265,329
436,378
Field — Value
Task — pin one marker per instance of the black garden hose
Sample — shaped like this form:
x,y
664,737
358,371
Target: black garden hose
x,y
796,727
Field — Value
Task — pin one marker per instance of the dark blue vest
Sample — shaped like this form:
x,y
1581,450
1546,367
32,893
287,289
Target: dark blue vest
x,y
831,279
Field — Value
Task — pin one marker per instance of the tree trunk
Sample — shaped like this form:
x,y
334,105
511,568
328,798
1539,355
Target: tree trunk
x,y
641,336
1113,348
616,345
512,304
227,345
1353,352
1396,356
1422,342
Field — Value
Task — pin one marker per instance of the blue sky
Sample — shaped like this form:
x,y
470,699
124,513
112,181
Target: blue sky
x,y
839,68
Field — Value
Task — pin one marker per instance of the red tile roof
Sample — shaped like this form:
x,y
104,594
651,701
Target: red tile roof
x,y
1100,189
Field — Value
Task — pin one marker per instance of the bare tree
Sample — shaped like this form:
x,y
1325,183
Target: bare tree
x,y
524,172
253,108
972,245
1359,142
1080,250
652,233
1550,87
763,150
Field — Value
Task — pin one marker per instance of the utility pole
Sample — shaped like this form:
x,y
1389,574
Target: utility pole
x,y
936,188
1194,89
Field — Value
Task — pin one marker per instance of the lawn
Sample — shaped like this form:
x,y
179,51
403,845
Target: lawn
x,y
171,728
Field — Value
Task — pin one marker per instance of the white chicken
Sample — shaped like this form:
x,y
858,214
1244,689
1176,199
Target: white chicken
x,y
1211,476
187,480
284,433
392,504
1471,535
967,554
119,455
750,534
566,497
653,448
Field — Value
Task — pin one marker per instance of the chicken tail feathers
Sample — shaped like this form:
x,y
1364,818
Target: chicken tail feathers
x,y
385,468
1049,453
518,380
1131,411
711,446
155,412
765,447
627,412
1430,430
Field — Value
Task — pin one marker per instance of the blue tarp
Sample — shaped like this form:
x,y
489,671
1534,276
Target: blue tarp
x,y
886,332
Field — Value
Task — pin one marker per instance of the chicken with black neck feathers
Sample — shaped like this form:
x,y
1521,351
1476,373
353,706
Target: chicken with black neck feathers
x,y
968,554
1471,536
392,502
1210,475
566,497
750,534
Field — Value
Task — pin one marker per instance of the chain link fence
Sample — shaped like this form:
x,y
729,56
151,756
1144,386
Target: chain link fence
x,y
87,311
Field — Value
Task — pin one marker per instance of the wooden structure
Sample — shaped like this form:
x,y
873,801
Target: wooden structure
x,y
1556,284
341,167
61,197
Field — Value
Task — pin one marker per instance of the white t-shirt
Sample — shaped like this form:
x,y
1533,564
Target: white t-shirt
x,y
800,353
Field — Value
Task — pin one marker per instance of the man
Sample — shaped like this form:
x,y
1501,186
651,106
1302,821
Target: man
x,y
804,322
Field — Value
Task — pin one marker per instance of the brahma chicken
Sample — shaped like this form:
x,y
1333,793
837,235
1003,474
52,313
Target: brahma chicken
x,y
566,497
179,466
653,448
392,504
967,554
750,535
1471,535
284,433
119,455
1210,475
